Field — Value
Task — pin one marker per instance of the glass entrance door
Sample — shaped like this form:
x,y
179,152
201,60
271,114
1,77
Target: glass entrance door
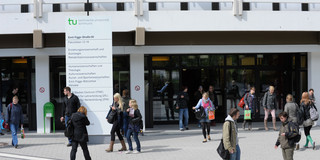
x,y
18,73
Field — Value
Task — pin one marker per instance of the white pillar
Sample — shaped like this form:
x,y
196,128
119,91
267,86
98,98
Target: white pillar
x,y
137,81
314,77
42,90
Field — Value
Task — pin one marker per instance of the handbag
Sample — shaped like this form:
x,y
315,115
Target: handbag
x,y
200,113
211,115
224,153
247,114
241,102
112,116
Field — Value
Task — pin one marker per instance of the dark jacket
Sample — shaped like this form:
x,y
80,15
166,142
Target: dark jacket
x,y
251,101
16,116
285,141
125,103
80,121
182,102
213,97
70,105
134,122
270,101
119,117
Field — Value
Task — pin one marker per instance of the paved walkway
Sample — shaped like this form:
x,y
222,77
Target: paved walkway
x,y
164,142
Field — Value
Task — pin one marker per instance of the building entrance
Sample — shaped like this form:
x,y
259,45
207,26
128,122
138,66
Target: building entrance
x,y
19,74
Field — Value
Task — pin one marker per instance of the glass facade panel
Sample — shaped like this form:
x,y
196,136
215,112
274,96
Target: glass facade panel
x,y
232,60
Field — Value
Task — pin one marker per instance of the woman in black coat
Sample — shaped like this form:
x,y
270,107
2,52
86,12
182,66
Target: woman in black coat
x,y
80,133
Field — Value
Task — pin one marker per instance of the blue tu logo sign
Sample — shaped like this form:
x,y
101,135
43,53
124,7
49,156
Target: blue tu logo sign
x,y
72,22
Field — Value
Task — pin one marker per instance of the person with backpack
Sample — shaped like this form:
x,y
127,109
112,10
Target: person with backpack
x,y
207,105
311,95
250,101
117,123
286,137
14,117
306,104
270,105
79,121
135,118
292,109
230,134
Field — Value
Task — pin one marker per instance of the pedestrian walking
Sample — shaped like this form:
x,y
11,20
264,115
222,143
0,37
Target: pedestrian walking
x,y
250,101
125,99
182,105
10,95
270,104
80,134
291,109
306,104
14,117
135,120
207,105
117,107
197,96
231,140
70,105
285,138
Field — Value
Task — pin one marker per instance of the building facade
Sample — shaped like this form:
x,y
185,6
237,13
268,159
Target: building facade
x,y
181,43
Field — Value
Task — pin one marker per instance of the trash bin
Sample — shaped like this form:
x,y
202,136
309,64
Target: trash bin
x,y
48,112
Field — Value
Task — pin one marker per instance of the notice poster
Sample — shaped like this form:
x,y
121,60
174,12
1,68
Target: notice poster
x,y
89,67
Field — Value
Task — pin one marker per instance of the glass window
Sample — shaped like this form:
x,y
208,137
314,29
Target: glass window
x,y
232,60
303,82
247,60
211,60
303,61
189,61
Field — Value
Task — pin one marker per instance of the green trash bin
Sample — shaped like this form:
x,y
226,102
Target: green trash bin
x,y
48,112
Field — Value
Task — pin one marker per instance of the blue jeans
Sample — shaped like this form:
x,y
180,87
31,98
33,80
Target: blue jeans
x,y
135,136
236,155
125,123
66,122
14,129
183,112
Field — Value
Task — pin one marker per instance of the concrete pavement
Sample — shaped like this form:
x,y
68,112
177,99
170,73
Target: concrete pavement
x,y
162,142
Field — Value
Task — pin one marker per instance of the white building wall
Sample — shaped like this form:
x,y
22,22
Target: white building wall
x,y
137,81
42,80
314,77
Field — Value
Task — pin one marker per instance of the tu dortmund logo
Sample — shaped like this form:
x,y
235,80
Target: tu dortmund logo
x,y
72,22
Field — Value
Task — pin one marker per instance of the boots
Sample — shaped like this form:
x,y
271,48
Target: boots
x,y
244,124
250,126
124,148
274,124
265,125
110,149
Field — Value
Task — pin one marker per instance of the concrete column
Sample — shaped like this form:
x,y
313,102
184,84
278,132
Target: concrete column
x,y
42,90
137,81
314,77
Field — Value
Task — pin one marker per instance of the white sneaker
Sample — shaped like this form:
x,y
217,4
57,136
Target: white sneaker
x,y
136,152
128,152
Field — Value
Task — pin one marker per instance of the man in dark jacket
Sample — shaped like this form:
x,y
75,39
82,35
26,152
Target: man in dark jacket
x,y
182,105
70,105
80,133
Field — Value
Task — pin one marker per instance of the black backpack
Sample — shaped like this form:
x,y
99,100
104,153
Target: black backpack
x,y
294,128
68,132
300,115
